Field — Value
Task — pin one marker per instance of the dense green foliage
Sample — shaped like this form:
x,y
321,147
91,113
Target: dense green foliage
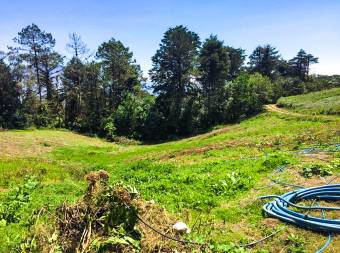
x,y
9,97
264,60
248,93
172,77
195,85
214,69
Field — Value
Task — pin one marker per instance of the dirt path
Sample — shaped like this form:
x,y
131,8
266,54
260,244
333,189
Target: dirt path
x,y
275,108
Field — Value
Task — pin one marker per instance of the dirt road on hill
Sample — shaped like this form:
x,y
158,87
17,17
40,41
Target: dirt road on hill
x,y
275,108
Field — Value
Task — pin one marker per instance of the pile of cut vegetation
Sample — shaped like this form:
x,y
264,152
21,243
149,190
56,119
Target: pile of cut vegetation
x,y
108,218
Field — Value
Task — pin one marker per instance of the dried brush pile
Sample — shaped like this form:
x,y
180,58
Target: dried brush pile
x,y
105,220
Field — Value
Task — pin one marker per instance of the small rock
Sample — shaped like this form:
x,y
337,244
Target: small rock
x,y
181,227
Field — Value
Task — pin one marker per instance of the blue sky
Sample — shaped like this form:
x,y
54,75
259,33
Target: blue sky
x,y
289,25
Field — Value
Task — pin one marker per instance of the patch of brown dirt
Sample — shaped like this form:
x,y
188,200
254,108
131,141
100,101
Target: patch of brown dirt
x,y
271,222
216,146
322,156
161,220
274,108
3,190
314,181
11,147
217,132
204,149
36,142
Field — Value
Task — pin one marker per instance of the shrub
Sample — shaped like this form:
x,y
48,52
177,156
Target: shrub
x,y
248,93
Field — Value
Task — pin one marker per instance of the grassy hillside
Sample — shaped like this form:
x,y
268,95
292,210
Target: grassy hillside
x,y
321,102
210,181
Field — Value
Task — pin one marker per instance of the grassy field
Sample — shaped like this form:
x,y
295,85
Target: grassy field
x,y
210,181
321,102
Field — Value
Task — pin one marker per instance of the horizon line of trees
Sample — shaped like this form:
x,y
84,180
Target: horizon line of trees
x,y
195,85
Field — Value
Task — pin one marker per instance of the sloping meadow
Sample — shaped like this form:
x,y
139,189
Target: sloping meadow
x,y
211,181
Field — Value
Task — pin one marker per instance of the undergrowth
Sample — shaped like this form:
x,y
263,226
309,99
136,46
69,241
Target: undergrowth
x,y
12,205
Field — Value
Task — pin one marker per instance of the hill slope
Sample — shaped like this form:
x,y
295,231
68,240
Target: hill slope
x,y
321,102
210,181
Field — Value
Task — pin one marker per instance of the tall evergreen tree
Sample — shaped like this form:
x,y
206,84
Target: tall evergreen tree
x,y
121,73
92,105
214,68
73,78
36,51
300,64
121,76
173,74
76,46
9,96
34,44
236,58
264,60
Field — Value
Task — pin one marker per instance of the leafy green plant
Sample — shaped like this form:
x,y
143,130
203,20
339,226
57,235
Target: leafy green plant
x,y
295,244
274,161
116,239
17,198
233,182
311,170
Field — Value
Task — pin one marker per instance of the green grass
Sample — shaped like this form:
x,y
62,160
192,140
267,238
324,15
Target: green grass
x,y
210,179
321,102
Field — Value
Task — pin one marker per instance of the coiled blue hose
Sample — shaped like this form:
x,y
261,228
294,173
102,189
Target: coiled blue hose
x,y
279,208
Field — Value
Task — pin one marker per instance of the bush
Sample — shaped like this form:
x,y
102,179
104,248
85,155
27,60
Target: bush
x,y
248,93
131,115
291,86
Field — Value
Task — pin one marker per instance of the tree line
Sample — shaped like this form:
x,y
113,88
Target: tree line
x,y
194,85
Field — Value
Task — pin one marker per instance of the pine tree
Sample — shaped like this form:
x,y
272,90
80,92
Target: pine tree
x,y
121,74
34,44
301,64
236,58
214,69
73,82
264,60
173,74
9,97
35,50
